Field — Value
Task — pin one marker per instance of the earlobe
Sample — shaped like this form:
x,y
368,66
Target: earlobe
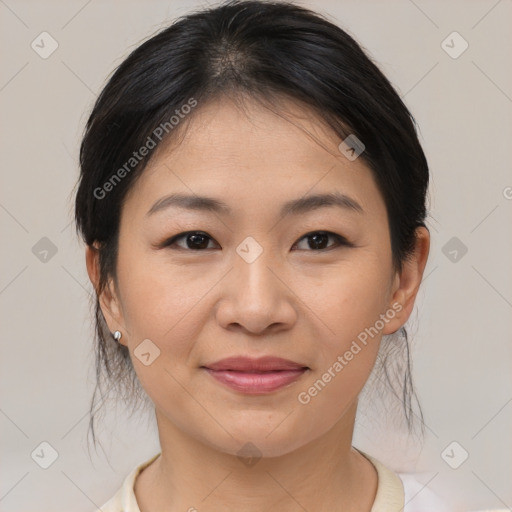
x,y
408,281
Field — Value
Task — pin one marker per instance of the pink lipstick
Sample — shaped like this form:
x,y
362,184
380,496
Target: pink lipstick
x,y
255,375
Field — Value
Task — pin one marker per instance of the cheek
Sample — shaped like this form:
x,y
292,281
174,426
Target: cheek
x,y
350,305
349,300
159,299
161,303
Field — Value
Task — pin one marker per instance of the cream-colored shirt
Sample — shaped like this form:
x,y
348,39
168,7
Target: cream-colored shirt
x,y
394,494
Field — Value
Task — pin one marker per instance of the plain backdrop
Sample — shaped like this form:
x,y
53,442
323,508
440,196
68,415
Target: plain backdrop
x,y
462,323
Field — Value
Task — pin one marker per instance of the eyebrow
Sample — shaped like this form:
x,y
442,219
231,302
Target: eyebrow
x,y
293,207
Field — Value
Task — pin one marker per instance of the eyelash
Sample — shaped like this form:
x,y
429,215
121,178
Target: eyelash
x,y
170,243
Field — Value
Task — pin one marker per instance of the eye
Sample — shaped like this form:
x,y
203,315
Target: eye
x,y
199,240
318,240
194,240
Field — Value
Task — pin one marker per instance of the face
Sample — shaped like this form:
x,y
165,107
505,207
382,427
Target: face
x,y
254,278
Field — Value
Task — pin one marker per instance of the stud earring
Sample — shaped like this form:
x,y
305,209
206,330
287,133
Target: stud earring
x,y
117,336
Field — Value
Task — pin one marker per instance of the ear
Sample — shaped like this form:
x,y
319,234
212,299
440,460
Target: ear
x,y
109,302
406,283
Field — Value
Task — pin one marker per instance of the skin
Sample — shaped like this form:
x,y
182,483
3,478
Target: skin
x,y
294,301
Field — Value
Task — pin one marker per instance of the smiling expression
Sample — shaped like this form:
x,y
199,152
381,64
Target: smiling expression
x,y
250,239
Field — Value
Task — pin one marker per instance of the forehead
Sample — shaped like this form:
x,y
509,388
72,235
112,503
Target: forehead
x,y
251,155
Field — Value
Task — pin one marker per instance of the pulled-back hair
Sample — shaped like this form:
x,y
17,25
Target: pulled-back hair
x,y
267,51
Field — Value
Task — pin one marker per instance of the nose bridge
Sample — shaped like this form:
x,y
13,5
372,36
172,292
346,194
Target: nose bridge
x,y
252,273
255,298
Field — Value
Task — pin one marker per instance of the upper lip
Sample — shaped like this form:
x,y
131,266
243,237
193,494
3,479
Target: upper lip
x,y
260,364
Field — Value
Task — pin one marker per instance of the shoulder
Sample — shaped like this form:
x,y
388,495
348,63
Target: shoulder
x,y
124,499
403,491
115,503
418,497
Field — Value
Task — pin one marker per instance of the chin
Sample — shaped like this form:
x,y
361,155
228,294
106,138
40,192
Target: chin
x,y
255,442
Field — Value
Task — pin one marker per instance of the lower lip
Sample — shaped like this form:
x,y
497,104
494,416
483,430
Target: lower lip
x,y
256,383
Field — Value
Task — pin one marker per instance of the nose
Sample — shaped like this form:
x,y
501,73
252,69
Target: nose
x,y
256,297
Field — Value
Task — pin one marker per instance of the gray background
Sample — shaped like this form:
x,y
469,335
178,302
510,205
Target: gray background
x,y
461,327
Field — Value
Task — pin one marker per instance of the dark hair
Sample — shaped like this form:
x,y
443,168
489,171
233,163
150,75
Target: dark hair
x,y
266,51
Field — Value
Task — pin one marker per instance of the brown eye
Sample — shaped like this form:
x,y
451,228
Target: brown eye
x,y
194,240
319,240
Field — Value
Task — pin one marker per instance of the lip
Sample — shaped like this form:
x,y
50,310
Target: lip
x,y
255,364
255,375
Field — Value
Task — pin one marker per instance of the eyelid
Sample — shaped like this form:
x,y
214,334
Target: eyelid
x,y
170,242
340,239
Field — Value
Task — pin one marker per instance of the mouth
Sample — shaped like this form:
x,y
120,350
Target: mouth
x,y
255,376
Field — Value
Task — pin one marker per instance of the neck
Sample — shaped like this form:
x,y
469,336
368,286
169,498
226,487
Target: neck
x,y
326,474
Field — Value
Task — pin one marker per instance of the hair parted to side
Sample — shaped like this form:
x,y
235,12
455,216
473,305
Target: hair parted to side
x,y
266,51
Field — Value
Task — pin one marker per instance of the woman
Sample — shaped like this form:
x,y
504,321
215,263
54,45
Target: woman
x,y
252,199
